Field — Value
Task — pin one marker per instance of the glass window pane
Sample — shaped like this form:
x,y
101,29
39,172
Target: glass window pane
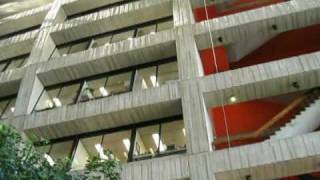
x,y
46,99
79,47
100,41
2,66
3,106
118,83
145,78
122,36
86,149
68,94
146,142
165,25
64,50
146,30
173,137
61,150
9,111
98,87
15,63
118,143
56,53
168,72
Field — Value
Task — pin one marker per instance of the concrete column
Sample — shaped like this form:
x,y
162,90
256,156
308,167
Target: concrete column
x,y
182,12
196,119
31,87
44,45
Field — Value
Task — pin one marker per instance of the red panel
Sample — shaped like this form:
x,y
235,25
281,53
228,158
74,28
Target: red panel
x,y
234,7
246,117
208,60
288,44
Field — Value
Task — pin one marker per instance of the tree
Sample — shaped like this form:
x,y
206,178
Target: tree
x,y
19,160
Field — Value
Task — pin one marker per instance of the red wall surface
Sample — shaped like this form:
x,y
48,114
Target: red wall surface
x,y
249,116
235,7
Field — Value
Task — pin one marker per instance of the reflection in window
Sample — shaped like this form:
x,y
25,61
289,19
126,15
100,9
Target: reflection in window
x,y
61,150
7,107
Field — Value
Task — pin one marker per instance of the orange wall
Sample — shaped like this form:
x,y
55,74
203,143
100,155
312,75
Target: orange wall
x,y
208,60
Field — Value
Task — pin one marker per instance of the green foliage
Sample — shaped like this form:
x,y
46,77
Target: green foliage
x,y
20,161
111,168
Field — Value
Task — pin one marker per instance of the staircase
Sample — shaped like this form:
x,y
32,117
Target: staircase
x,y
307,120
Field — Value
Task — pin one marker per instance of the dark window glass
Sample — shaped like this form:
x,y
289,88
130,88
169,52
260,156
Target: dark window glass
x,y
7,107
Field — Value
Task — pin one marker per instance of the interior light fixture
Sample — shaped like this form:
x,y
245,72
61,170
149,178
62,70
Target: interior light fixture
x,y
49,103
184,131
233,99
103,91
130,38
64,55
151,151
12,109
126,143
153,80
99,149
125,154
57,102
156,140
153,33
49,159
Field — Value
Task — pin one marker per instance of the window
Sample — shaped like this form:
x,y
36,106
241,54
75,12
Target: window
x,y
103,85
19,32
146,146
113,37
131,143
167,72
13,63
7,107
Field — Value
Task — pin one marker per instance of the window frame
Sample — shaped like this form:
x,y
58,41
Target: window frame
x,y
9,98
111,33
81,81
133,128
12,59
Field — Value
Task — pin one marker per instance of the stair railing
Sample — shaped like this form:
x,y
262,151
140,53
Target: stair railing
x,y
266,130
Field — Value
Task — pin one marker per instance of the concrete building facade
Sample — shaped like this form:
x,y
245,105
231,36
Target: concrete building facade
x,y
161,82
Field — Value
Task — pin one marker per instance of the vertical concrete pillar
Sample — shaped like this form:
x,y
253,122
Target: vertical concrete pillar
x,y
196,119
31,87
44,45
182,12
